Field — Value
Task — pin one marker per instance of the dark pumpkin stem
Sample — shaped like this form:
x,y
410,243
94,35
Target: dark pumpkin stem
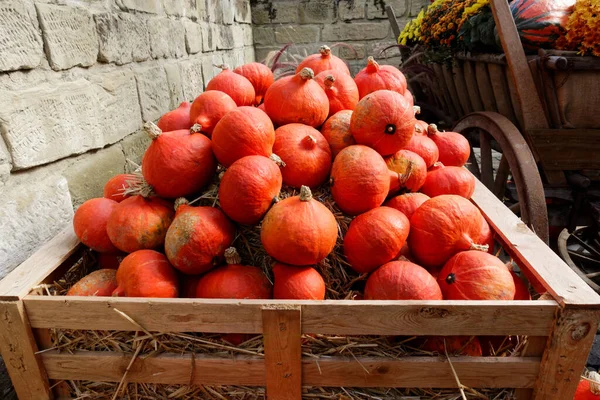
x,y
196,128
152,130
180,201
306,73
329,81
232,257
325,51
451,278
390,129
305,193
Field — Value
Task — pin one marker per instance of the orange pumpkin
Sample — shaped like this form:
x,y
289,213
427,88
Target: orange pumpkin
x,y
409,170
299,230
98,283
235,85
340,90
454,148
360,179
375,238
443,226
521,288
146,273
487,236
336,131
297,99
260,76
454,345
305,153
587,390
424,147
90,222
384,121
421,128
197,238
402,280
476,275
449,180
407,203
113,189
177,119
297,283
140,223
379,77
323,61
243,132
208,109
234,281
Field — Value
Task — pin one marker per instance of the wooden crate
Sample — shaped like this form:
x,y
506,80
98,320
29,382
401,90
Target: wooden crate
x,y
560,331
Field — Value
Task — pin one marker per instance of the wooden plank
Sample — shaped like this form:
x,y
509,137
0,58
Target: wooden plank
x,y
485,87
283,351
41,264
535,348
18,349
60,389
501,91
477,372
566,354
471,84
531,253
461,87
486,167
393,22
514,99
406,317
439,73
568,149
450,79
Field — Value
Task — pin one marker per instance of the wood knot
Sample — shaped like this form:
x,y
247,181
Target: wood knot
x,y
580,331
382,369
432,312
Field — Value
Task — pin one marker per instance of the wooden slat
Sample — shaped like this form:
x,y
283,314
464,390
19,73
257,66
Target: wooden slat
x,y
531,253
566,354
439,73
60,389
501,91
471,84
534,348
450,79
41,264
407,317
461,87
283,352
477,372
485,87
487,167
568,149
18,348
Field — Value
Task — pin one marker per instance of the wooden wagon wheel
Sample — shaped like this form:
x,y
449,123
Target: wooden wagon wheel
x,y
517,160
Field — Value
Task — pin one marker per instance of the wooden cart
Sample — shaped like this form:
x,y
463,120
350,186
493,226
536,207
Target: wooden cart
x,y
521,107
560,331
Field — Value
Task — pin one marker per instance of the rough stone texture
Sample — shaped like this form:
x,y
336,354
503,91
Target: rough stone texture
x,y
174,82
208,66
181,8
69,36
249,53
297,34
358,53
355,31
376,8
214,11
277,12
20,41
123,38
167,38
225,37
86,177
242,11
147,6
134,147
263,36
119,105
316,11
228,11
376,49
5,162
153,92
50,122
247,33
238,35
191,78
351,9
416,6
193,37
209,36
33,209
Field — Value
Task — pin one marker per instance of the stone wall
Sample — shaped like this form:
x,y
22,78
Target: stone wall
x,y
77,79
362,24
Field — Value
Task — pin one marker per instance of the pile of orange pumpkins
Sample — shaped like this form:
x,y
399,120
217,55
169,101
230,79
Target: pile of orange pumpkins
x,y
415,232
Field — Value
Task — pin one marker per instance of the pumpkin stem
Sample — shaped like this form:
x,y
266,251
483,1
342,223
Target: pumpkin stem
x,y
594,378
152,130
325,51
180,201
196,128
372,65
223,67
329,80
232,257
432,129
390,129
451,278
417,110
305,193
306,73
438,164
418,128
310,141
277,160
402,258
137,186
480,247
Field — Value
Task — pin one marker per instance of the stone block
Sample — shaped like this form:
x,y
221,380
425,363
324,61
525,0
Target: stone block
x,y
153,92
394,61
50,122
134,147
167,38
357,52
119,102
175,86
210,36
249,54
123,38
208,66
280,12
193,37
20,40
247,33
69,35
225,37
416,6
89,173
191,78
351,9
238,35
355,31
214,11
316,11
33,209
201,10
228,11
376,8
297,34
242,11
181,8
263,36
147,6
239,57
5,162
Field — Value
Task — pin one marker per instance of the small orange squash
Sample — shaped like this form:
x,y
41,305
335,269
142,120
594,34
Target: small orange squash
x,y
402,280
90,224
235,85
588,389
113,189
146,273
449,180
176,119
340,90
337,131
407,203
424,147
297,283
409,170
260,76
98,283
380,77
208,109
323,61
454,148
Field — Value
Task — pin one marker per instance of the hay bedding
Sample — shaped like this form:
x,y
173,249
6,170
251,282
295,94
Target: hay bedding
x,y
342,283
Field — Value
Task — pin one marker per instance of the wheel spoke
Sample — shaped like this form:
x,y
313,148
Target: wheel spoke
x,y
487,168
472,164
501,177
